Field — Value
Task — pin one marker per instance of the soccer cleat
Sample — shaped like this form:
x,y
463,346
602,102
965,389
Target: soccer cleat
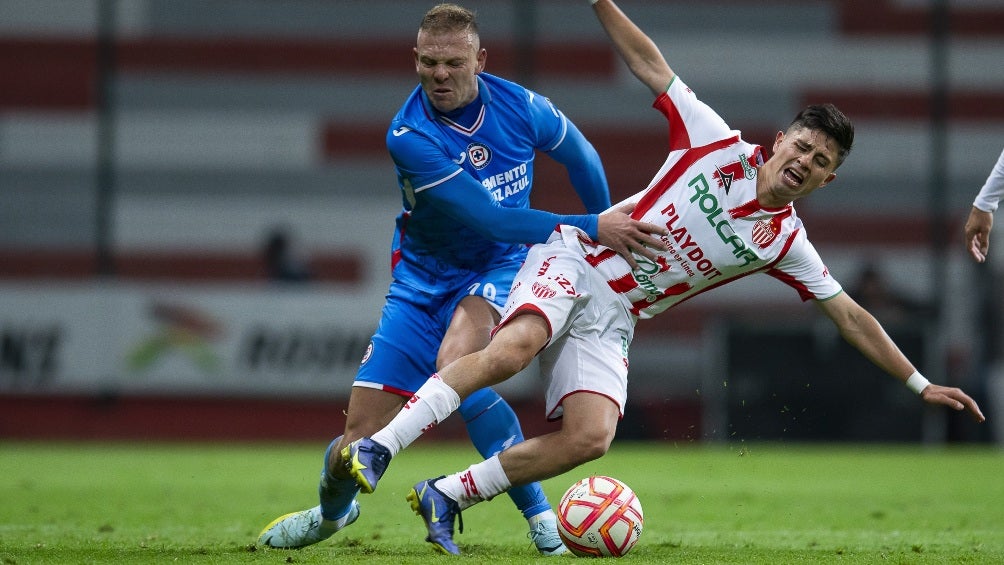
x,y
303,528
545,537
438,511
366,460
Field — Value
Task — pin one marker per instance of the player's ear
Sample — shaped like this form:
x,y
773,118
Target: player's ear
x,y
777,140
482,59
829,178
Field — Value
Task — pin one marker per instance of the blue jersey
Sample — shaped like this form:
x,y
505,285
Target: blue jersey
x,y
465,180
447,229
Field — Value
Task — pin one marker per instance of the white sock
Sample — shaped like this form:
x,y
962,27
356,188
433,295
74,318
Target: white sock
x,y
481,481
430,405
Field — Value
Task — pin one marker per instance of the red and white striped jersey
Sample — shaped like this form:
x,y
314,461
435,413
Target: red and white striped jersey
x,y
705,195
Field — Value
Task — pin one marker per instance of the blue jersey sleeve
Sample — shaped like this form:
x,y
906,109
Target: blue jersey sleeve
x,y
420,160
562,141
425,168
465,200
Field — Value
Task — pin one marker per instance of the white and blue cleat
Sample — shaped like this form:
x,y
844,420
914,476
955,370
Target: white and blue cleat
x,y
303,528
545,537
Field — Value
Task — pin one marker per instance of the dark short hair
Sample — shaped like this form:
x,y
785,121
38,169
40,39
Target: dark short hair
x,y
449,17
828,119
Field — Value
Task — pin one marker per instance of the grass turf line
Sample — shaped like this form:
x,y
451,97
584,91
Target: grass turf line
x,y
728,503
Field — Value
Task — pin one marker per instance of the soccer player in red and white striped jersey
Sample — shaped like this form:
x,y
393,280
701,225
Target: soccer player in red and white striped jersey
x,y
729,213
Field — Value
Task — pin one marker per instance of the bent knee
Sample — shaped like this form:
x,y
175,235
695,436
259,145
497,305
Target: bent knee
x,y
589,446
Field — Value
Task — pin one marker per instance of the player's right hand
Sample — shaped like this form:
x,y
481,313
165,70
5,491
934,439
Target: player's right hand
x,y
977,233
628,237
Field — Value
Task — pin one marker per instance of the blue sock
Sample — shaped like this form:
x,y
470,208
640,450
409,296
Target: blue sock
x,y
493,427
336,494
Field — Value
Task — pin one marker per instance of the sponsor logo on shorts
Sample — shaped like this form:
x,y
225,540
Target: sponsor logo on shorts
x,y
542,291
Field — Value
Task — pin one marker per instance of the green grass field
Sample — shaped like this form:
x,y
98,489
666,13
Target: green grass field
x,y
742,503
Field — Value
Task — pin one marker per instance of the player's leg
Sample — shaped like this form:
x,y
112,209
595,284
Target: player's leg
x,y
384,381
585,364
493,427
470,374
491,423
510,352
512,349
396,364
588,427
369,410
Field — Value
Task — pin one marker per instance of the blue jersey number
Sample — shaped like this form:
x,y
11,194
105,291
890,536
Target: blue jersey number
x,y
488,291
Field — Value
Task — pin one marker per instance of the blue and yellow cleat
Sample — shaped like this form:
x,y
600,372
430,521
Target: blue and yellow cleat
x,y
438,511
303,528
366,460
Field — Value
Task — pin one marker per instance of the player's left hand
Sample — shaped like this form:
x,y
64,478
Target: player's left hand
x,y
627,237
953,398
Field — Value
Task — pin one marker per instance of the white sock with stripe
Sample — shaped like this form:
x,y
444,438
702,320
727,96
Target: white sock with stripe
x,y
430,405
481,481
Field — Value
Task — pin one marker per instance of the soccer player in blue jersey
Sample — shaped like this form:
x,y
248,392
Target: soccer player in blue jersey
x,y
463,145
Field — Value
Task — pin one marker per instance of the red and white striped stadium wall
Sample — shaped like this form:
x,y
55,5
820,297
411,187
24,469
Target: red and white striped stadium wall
x,y
231,118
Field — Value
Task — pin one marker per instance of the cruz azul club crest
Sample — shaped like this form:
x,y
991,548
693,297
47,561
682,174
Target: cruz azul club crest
x,y
479,154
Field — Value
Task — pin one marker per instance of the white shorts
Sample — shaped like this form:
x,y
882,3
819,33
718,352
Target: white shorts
x,y
591,327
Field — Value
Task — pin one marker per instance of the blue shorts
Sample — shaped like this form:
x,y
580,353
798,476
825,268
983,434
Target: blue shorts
x,y
402,353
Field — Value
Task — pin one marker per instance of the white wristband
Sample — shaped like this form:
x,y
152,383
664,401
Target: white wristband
x,y
917,383
591,2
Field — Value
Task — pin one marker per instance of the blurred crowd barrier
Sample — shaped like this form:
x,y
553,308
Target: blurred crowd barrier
x,y
148,149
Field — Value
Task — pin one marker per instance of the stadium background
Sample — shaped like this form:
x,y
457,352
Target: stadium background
x,y
148,148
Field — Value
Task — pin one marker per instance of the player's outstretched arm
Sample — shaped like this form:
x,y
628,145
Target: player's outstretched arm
x,y
863,331
637,49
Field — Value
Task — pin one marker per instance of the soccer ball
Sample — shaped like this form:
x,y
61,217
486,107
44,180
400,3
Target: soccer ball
x,y
599,517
